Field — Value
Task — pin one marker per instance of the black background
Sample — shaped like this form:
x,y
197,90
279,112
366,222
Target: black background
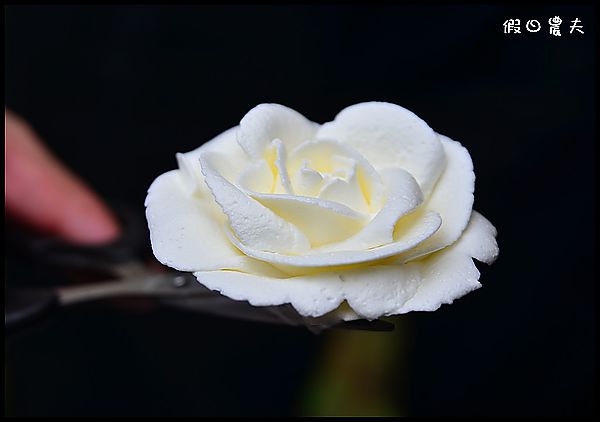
x,y
117,91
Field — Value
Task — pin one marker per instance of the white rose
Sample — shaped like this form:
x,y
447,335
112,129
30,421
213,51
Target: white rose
x,y
373,208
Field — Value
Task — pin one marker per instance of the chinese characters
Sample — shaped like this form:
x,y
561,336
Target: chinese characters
x,y
513,26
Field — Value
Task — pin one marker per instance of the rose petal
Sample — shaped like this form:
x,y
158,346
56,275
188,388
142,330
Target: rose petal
x,y
268,175
266,122
320,221
389,136
226,145
254,224
452,198
257,176
278,163
190,174
307,182
479,239
380,290
345,192
311,295
403,196
450,273
419,231
181,225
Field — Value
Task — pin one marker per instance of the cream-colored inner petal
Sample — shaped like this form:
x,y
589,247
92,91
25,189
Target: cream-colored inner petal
x,y
252,223
336,163
321,221
307,182
258,177
403,196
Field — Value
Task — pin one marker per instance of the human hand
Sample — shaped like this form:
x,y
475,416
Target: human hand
x,y
41,192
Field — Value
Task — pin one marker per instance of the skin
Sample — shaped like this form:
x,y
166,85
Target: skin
x,y
44,194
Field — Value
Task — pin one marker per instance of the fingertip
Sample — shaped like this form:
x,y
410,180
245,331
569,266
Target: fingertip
x,y
90,224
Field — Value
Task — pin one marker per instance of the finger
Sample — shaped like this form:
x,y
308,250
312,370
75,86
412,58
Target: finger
x,y
42,192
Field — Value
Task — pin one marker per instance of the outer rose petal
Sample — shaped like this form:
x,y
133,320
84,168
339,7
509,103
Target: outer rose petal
x,y
452,198
450,273
224,144
267,122
311,295
380,290
179,222
389,136
186,233
373,291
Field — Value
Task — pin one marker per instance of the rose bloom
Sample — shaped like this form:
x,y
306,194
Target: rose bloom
x,y
365,216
